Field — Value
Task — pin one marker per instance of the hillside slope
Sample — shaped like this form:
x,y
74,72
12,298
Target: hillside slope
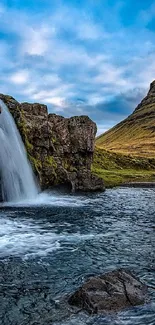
x,y
136,134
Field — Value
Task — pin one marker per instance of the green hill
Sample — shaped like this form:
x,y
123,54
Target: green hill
x,y
136,134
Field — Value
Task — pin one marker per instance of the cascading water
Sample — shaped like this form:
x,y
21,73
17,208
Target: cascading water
x,y
17,179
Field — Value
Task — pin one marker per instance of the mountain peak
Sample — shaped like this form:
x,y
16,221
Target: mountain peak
x,y
150,97
152,85
136,134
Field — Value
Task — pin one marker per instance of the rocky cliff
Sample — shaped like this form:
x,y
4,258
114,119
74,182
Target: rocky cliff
x,y
136,134
60,149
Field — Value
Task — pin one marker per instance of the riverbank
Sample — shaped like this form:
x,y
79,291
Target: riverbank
x,y
139,184
117,169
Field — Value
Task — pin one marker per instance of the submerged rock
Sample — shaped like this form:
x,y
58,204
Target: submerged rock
x,y
60,149
110,292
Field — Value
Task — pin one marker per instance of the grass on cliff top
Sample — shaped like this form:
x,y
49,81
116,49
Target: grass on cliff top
x,y
116,169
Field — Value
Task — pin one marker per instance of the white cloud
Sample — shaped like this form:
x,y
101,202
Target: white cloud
x,y
56,101
55,95
90,63
95,98
20,77
111,74
90,31
36,40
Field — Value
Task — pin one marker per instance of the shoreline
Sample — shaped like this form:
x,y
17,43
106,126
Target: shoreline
x,y
139,184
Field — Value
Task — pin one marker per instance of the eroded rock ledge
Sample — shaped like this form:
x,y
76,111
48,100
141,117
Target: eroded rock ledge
x,y
60,149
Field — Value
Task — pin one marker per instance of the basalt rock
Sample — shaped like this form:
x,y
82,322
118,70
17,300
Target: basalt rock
x,y
59,149
110,292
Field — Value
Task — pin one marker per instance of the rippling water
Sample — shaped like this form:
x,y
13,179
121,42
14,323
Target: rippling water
x,y
49,247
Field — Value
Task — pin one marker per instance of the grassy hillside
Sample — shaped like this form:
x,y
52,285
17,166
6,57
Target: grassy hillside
x,y
136,134
117,169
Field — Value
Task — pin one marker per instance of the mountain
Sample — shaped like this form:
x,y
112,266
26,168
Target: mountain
x,y
136,134
59,149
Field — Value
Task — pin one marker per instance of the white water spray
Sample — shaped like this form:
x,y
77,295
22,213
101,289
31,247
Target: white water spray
x,y
17,179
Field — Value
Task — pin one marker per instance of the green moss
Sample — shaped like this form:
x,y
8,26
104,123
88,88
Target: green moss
x,y
28,145
73,169
68,166
52,164
54,140
36,164
50,161
111,179
22,123
24,133
117,177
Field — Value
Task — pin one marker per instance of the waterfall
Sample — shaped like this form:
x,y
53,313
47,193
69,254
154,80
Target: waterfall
x,y
17,179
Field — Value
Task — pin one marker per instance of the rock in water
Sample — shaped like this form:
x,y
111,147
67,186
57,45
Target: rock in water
x,y
110,292
60,149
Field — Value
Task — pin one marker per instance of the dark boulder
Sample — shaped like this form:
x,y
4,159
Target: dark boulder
x,y
110,292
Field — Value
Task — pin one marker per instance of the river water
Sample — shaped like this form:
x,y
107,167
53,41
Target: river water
x,y
49,247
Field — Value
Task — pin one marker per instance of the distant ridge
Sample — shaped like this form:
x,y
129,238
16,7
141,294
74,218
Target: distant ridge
x,y
136,134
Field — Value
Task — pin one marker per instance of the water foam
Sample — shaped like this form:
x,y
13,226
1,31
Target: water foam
x,y
26,238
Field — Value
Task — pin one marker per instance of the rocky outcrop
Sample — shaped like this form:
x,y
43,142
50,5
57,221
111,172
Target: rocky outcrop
x,y
60,149
110,292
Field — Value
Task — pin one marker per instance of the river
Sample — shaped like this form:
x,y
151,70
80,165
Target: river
x,y
50,247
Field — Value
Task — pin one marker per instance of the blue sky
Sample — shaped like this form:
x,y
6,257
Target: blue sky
x,y
94,57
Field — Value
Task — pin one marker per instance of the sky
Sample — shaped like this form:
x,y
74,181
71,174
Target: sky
x,y
80,57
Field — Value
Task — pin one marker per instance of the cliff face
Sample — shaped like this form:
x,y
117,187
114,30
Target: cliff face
x,y
60,149
136,134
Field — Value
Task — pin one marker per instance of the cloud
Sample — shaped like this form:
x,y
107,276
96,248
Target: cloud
x,y
36,40
20,77
90,31
122,103
77,60
106,113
